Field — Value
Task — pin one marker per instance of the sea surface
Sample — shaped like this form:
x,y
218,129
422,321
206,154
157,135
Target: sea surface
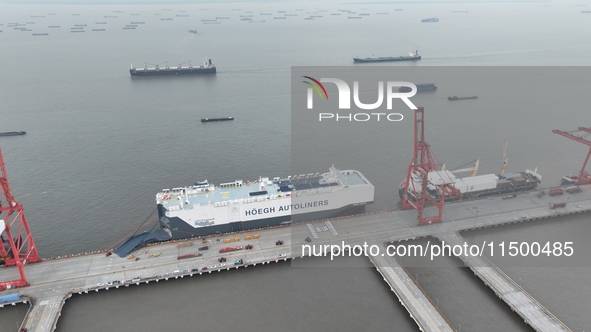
x,y
101,144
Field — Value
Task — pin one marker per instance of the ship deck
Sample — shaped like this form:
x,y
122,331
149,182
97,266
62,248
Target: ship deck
x,y
277,188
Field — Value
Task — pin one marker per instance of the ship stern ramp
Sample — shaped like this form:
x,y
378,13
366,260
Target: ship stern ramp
x,y
137,241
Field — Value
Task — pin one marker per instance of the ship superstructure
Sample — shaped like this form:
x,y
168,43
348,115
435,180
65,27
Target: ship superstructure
x,y
204,208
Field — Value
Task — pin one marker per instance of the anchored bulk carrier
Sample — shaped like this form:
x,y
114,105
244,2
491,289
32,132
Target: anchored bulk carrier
x,y
412,56
206,68
204,208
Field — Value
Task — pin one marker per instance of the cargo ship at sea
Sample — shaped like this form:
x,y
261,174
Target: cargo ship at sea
x,y
13,133
429,20
203,208
476,186
420,87
412,56
207,68
461,98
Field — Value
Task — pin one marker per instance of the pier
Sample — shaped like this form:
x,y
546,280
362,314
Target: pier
x,y
53,281
532,312
422,310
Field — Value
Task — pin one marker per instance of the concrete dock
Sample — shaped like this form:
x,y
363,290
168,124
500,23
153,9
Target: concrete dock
x,y
532,312
53,281
422,310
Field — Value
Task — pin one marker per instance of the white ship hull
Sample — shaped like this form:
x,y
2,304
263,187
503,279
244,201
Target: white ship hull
x,y
229,209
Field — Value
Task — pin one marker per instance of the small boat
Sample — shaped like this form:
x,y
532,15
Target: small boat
x,y
227,118
13,133
193,31
461,98
431,19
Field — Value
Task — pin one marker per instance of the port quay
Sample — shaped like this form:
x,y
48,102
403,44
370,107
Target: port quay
x,y
53,281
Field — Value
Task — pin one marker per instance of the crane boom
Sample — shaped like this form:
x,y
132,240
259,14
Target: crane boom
x,y
505,158
473,169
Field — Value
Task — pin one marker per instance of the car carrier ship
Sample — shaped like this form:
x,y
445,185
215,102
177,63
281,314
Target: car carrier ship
x,y
207,68
204,208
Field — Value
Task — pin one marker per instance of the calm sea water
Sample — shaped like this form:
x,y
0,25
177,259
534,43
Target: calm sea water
x,y
101,144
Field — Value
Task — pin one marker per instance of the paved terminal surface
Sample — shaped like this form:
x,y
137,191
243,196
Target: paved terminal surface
x,y
53,281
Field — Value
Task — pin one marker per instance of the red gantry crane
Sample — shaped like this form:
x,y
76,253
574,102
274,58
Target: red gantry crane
x,y
424,183
584,177
18,247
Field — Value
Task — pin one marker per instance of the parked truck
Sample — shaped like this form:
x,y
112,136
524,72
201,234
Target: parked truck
x,y
230,249
10,298
188,256
557,205
555,191
573,190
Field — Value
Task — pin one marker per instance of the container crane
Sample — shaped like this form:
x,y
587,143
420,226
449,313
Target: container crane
x,y
584,177
17,246
424,183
